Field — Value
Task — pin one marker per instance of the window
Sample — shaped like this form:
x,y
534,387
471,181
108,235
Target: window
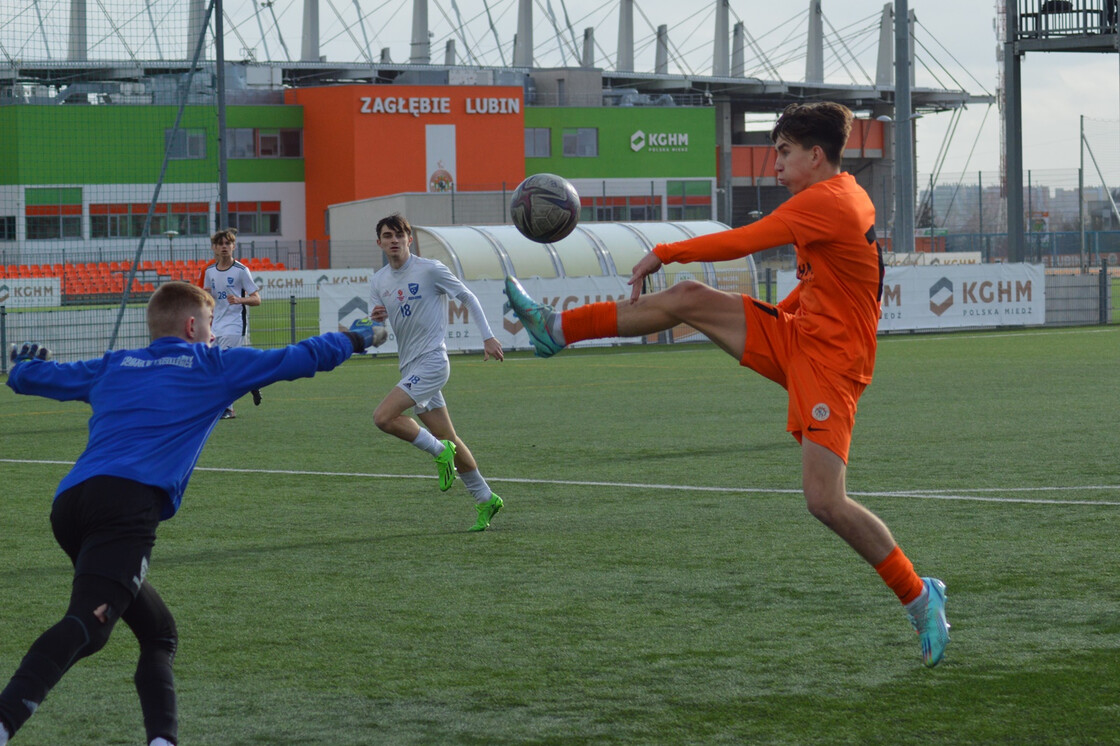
x,y
689,200
53,212
264,143
255,218
291,143
240,143
185,144
621,209
127,220
582,142
8,228
538,142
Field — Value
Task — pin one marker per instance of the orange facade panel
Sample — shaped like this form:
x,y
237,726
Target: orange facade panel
x,y
757,161
752,161
866,140
364,141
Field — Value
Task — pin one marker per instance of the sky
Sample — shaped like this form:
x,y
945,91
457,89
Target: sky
x,y
956,39
956,48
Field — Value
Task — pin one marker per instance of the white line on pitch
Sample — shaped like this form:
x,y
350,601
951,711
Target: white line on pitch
x,y
914,494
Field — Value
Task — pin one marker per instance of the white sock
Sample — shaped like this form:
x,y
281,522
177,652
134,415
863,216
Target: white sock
x,y
4,735
556,328
161,741
425,441
474,482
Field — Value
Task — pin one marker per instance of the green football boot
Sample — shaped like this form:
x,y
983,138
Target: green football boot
x,y
445,463
486,511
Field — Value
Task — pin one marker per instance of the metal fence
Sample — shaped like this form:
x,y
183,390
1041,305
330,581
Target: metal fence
x,y
1073,297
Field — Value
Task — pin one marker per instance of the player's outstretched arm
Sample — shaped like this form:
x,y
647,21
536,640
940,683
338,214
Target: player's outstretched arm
x,y
248,368
35,374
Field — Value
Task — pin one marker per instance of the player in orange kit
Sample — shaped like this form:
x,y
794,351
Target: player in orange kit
x,y
818,343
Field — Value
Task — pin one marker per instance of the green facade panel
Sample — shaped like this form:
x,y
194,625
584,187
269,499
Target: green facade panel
x,y
53,196
632,142
80,144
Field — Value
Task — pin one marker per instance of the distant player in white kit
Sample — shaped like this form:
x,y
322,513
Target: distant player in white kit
x,y
231,283
411,293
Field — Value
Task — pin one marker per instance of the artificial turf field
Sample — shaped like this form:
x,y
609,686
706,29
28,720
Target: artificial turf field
x,y
654,577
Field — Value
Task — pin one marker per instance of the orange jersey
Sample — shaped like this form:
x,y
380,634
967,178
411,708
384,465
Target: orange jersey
x,y
839,269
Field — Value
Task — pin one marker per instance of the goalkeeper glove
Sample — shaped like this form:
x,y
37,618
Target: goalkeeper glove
x,y
372,333
29,351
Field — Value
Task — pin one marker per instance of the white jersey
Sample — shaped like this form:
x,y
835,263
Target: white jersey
x,y
415,297
237,280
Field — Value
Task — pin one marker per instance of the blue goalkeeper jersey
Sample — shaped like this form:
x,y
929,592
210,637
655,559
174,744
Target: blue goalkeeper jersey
x,y
153,409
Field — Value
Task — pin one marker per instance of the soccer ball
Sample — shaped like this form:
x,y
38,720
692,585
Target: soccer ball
x,y
545,208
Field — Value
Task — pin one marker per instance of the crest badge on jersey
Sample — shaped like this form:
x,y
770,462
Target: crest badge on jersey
x,y
413,288
821,412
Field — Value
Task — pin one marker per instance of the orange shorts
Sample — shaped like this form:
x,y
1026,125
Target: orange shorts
x,y
822,402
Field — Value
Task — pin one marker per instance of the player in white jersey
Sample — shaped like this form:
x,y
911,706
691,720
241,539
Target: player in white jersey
x,y
231,283
411,293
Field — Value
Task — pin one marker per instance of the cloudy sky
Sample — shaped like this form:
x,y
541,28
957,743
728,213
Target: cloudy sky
x,y
956,48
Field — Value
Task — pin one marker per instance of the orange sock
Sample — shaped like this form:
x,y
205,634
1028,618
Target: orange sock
x,y
593,321
898,573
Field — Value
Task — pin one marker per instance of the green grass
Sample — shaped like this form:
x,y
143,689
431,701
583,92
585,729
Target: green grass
x,y
351,606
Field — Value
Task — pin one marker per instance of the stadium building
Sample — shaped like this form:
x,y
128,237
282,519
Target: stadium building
x,y
90,147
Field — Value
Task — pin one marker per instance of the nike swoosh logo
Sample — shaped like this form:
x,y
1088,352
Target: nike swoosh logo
x,y
816,429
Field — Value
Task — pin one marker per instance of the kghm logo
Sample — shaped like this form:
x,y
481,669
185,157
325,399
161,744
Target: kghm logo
x,y
659,142
941,296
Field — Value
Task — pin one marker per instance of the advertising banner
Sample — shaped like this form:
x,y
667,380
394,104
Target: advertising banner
x,y
305,283
27,292
946,297
340,304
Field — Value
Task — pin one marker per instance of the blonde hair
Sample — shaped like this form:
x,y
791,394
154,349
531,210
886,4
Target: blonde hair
x,y
174,302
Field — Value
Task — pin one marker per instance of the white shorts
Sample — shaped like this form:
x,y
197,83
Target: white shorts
x,y
226,342
423,379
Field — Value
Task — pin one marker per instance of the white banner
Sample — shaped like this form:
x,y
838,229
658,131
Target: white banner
x,y
26,292
931,258
340,304
945,297
305,283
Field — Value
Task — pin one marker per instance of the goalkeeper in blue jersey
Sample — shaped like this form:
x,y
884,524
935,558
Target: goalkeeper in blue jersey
x,y
153,410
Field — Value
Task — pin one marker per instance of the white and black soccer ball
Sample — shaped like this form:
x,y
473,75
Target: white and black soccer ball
x,y
545,208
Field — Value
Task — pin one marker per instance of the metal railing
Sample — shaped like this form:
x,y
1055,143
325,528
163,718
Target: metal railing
x,y
1049,18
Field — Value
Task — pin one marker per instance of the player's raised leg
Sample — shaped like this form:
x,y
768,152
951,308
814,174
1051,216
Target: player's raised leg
x,y
717,314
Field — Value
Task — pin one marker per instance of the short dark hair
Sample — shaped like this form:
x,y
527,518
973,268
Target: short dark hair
x,y
395,222
821,123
